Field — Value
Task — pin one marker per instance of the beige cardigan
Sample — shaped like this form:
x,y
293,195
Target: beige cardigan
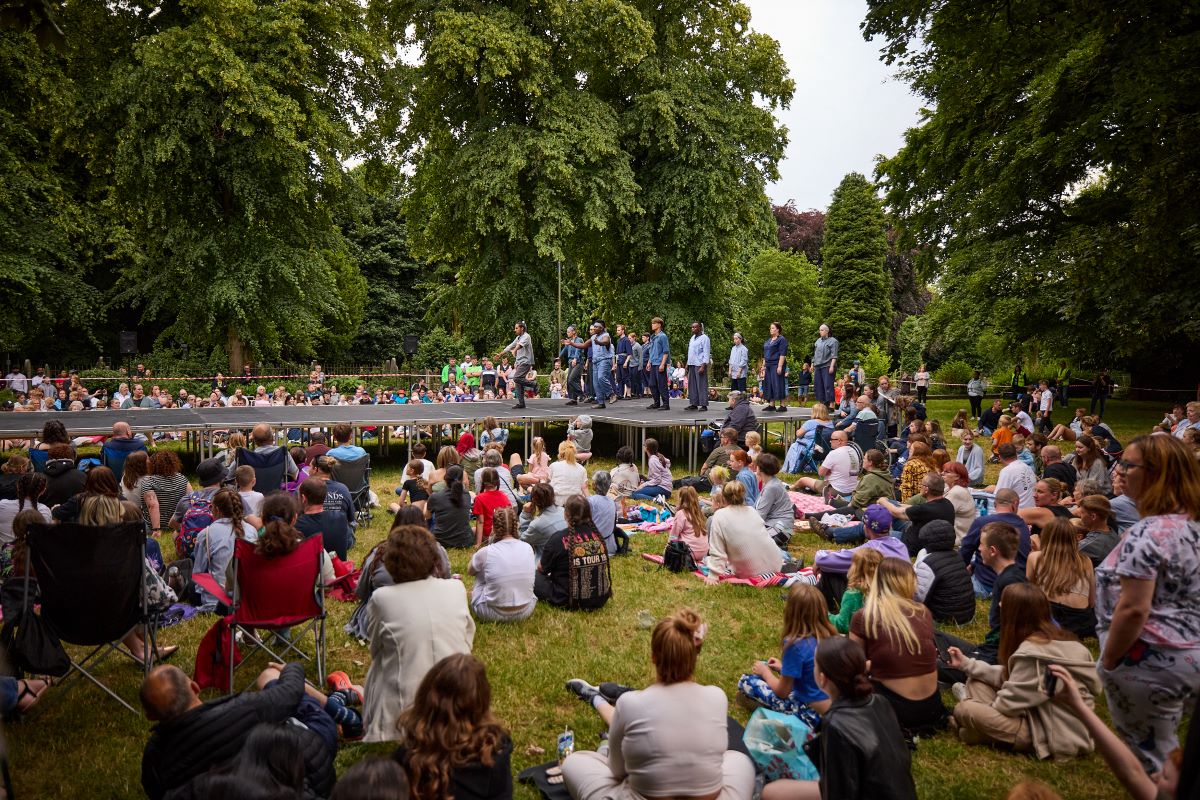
x,y
1056,732
412,626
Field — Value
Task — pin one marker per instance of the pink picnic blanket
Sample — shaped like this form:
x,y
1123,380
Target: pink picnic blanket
x,y
808,503
758,581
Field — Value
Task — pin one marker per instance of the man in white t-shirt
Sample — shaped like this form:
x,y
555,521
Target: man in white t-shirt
x,y
839,469
1015,475
1022,419
1045,408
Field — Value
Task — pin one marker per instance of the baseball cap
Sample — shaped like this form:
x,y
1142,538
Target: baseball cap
x,y
210,471
877,519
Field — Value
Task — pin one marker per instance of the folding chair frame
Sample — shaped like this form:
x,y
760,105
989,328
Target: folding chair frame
x,y
360,496
101,652
249,632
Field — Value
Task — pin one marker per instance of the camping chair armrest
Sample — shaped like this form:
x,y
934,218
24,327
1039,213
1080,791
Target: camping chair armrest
x,y
210,584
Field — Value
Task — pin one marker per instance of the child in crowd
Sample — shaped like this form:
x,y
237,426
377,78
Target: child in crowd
x,y
858,583
1002,435
718,477
415,489
794,690
1023,454
689,525
252,501
579,431
486,502
959,423
753,444
299,455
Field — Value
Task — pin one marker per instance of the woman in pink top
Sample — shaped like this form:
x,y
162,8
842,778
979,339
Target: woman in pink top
x,y
690,526
658,483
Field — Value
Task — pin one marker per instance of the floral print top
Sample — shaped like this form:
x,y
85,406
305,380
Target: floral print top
x,y
1164,549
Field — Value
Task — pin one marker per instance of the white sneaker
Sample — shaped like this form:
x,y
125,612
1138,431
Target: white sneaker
x,y
959,690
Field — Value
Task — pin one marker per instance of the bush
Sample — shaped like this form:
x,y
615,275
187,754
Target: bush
x,y
954,372
876,361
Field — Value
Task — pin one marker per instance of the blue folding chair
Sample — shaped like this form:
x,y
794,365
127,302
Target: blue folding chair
x,y
39,458
270,469
114,460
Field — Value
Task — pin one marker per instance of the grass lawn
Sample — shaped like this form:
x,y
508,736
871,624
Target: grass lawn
x,y
78,742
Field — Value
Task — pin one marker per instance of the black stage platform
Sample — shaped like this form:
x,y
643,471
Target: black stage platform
x,y
628,415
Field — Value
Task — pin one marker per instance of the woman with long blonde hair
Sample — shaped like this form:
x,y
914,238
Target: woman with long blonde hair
x,y
1066,576
897,633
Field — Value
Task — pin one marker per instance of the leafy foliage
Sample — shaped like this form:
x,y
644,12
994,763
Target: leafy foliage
x,y
911,340
1053,184
437,347
857,293
780,287
630,140
876,361
800,231
954,372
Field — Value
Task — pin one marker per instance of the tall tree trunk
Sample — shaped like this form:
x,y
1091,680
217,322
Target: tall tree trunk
x,y
237,355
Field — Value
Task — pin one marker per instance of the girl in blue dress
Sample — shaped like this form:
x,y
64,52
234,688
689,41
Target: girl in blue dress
x,y
775,380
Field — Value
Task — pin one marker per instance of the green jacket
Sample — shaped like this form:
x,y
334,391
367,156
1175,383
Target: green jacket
x,y
872,485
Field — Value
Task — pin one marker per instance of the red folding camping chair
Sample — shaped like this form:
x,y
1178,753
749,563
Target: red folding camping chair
x,y
275,595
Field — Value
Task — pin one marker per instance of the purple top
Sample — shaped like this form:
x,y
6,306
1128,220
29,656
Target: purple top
x,y
659,472
839,560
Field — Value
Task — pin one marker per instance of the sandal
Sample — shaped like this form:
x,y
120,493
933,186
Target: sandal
x,y
27,691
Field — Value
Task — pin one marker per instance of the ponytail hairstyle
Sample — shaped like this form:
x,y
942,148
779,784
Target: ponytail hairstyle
x,y
454,485
652,450
20,529
844,664
278,537
415,470
863,566
30,486
227,504
675,644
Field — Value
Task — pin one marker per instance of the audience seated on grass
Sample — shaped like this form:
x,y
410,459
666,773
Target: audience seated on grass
x,y
489,499
1066,576
493,458
573,570
658,482
675,709
861,752
338,497
998,543
910,518
834,564
453,744
31,489
1049,503
1096,527
943,583
897,634
567,476
317,520
970,550
838,472
214,544
739,543
689,524
504,571
64,479
863,565
774,505
192,737
449,511
1009,703
411,625
541,518
794,690
372,778
604,510
252,501
537,468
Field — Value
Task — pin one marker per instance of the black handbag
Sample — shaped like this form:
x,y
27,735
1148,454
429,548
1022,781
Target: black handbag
x,y
33,648
678,557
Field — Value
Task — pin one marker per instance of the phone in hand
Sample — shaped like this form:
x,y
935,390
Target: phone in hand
x,y
1049,682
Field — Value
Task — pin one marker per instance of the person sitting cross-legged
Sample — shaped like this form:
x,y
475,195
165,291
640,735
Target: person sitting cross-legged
x,y
839,470
674,709
503,571
834,564
918,515
739,543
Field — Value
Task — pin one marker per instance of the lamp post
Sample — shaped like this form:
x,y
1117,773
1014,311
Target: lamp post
x,y
559,330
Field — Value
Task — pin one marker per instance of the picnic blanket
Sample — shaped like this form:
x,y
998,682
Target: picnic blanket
x,y
757,581
808,503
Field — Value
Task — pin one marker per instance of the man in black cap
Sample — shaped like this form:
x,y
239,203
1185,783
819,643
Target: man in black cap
x,y
209,472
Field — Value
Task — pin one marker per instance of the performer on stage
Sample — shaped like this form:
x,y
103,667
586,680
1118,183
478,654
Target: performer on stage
x,y
600,353
522,350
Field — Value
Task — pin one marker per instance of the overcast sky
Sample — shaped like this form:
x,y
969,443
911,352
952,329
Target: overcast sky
x,y
847,108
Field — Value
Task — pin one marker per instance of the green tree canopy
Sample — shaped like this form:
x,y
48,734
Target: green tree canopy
x,y
1053,185
222,131
780,287
857,293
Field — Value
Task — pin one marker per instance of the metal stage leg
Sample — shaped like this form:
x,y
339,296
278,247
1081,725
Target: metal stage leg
x,y
695,448
643,451
387,437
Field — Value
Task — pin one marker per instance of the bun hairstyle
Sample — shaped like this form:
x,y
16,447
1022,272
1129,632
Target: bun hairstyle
x,y
675,644
844,664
